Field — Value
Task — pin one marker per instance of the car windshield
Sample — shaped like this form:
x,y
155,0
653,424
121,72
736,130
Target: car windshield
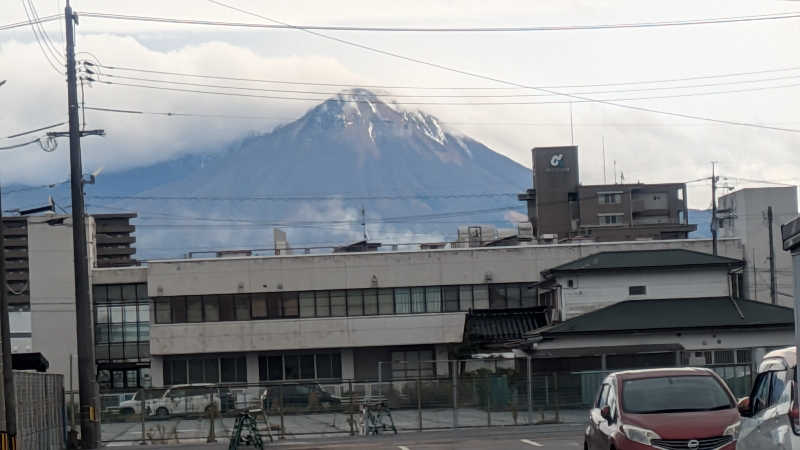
x,y
674,394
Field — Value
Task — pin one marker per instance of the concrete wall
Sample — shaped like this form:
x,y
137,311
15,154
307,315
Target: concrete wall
x,y
52,294
306,334
553,184
19,323
747,221
125,275
596,290
390,269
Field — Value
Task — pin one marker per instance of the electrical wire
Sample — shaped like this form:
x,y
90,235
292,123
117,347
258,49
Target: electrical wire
x,y
46,37
39,40
287,198
666,23
35,130
549,102
45,19
510,83
382,86
23,144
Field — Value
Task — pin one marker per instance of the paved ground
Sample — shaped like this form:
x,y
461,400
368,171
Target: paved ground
x,y
551,437
329,425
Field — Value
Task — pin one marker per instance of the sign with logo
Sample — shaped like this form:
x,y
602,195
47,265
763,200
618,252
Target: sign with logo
x,y
557,164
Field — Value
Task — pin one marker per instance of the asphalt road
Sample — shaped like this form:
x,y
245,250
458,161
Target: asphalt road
x,y
523,438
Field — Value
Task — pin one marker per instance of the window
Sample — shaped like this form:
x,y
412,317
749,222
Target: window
x,y
101,314
609,198
292,367
370,302
513,296
275,367
141,291
233,369
338,305
306,304
116,314
114,293
274,305
163,313
194,309
323,304
101,334
637,290
610,219
178,309
290,304
412,364
570,284
99,294
260,306
196,371
602,398
385,301
433,299
242,307
680,393
129,292
211,308
307,367
497,298
465,298
226,311
779,392
481,295
355,306
402,300
144,312
418,300
450,294
528,296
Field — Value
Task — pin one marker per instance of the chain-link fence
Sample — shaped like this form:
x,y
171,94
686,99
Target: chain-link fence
x,y
40,411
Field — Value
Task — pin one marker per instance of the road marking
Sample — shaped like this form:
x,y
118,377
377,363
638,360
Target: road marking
x,y
529,442
402,447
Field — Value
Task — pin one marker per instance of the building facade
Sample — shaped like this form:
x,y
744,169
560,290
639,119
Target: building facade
x,y
560,208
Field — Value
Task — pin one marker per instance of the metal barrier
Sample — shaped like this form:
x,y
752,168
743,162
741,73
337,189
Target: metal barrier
x,y
40,411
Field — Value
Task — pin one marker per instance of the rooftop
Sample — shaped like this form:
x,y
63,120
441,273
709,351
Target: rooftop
x,y
500,325
635,259
674,314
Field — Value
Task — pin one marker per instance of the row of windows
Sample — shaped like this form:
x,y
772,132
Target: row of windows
x,y
117,333
124,352
233,369
119,293
137,312
291,366
230,369
351,302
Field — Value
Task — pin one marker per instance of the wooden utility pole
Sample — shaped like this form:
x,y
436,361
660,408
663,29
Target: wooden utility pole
x,y
773,291
88,395
714,207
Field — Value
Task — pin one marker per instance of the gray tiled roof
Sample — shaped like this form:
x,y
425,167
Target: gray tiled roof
x,y
646,259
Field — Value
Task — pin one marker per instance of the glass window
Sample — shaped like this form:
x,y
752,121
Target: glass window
x,y
323,304
211,370
307,367
274,305
759,399
144,312
211,308
141,291
513,296
101,334
242,307
418,300
194,309
637,290
116,314
338,306
779,393
324,366
290,305
130,333
497,297
226,311
370,302
116,333
163,312
117,379
402,300
259,306
292,366
433,299
465,297
144,331
602,398
99,293
480,293
179,309
129,292
528,296
385,301
306,304
337,365
179,371
196,371
450,294
233,369
355,305
101,314
275,367
114,293
679,393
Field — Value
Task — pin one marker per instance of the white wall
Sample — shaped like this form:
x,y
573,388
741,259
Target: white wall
x,y
311,333
20,322
391,269
595,290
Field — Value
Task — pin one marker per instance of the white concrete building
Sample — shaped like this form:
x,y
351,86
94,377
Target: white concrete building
x,y
743,214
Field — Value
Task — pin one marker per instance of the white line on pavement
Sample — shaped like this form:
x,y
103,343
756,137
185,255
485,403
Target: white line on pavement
x,y
529,442
402,447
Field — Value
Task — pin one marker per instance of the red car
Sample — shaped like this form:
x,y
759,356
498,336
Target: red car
x,y
670,409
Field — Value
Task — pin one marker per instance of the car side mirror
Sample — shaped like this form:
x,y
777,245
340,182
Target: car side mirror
x,y
744,406
605,413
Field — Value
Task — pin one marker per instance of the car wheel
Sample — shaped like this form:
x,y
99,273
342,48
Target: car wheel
x,y
162,412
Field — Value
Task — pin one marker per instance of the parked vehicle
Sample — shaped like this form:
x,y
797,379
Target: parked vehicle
x,y
133,406
307,396
190,399
770,417
682,408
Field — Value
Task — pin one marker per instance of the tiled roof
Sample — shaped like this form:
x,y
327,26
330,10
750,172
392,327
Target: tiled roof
x,y
500,325
646,259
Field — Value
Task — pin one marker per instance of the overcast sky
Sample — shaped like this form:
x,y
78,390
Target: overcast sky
x,y
646,147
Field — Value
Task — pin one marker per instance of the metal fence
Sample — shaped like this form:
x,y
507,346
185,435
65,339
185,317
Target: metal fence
x,y
40,411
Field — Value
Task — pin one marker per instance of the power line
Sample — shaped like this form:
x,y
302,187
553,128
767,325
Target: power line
x,y
549,102
29,22
288,198
666,23
39,40
35,130
510,83
43,32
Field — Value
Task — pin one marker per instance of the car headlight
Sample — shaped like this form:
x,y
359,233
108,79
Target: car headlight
x,y
640,435
733,430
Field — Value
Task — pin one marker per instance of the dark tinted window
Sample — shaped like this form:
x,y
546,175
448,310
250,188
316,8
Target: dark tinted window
x,y
226,311
759,399
275,367
674,394
637,290
179,309
602,398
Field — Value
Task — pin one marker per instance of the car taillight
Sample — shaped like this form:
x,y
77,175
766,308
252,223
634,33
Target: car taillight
x,y
794,418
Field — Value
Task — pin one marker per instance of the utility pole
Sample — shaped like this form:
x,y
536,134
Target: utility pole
x,y
364,222
714,207
9,394
773,291
755,277
90,425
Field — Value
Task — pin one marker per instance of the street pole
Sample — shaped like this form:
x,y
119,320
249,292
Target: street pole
x,y
773,291
90,425
714,207
9,397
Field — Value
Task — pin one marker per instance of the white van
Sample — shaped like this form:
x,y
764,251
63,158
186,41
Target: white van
x,y
770,418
